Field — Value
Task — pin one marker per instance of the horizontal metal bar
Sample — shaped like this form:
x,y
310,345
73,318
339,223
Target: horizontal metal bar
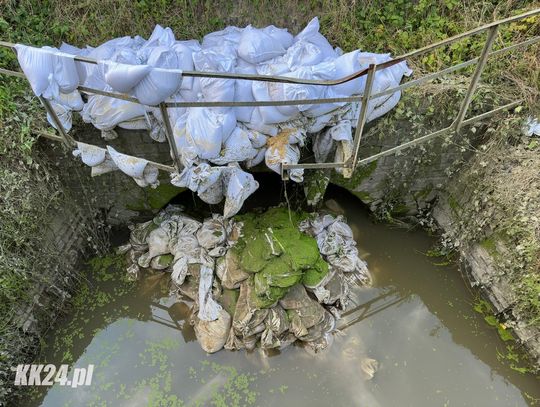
x,y
491,113
313,166
453,68
438,133
129,98
348,99
299,102
167,168
48,135
12,73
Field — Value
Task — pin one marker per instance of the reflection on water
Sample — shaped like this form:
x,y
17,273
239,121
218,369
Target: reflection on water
x,y
417,322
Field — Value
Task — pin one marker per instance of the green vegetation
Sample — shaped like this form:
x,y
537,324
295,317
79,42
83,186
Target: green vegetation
x,y
278,254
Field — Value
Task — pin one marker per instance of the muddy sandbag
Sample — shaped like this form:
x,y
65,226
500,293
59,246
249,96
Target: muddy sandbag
x,y
228,299
327,325
158,243
295,298
212,232
212,335
229,271
247,316
139,235
190,286
162,262
277,320
310,314
318,345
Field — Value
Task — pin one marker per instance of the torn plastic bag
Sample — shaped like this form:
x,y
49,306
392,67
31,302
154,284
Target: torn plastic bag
x,y
158,244
201,179
213,334
161,82
209,309
48,70
142,172
239,186
138,238
257,45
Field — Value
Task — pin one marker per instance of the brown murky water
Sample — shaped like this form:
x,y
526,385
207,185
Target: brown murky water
x,y
417,321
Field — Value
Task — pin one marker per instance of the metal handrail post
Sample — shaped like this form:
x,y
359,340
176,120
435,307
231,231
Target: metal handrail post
x,y
482,60
362,117
66,138
170,136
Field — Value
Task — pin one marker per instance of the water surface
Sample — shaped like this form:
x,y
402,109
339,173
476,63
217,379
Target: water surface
x,y
417,321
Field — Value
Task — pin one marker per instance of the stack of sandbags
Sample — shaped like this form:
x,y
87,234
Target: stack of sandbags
x,y
257,279
151,71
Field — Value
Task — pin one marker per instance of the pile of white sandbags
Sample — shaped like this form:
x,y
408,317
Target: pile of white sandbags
x,y
151,71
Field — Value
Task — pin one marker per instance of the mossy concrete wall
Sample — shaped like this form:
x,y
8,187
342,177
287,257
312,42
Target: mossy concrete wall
x,y
115,193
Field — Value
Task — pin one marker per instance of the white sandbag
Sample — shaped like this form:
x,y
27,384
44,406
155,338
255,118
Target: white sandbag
x,y
48,70
204,130
229,36
161,37
284,153
73,100
194,94
243,92
239,186
312,35
257,45
280,35
216,59
160,83
259,158
185,62
257,124
269,114
303,53
63,114
123,77
238,147
139,169
90,155
105,112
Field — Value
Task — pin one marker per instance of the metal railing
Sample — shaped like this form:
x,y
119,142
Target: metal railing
x,y
351,164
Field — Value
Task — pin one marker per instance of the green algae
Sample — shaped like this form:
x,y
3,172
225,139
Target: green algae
x,y
280,256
